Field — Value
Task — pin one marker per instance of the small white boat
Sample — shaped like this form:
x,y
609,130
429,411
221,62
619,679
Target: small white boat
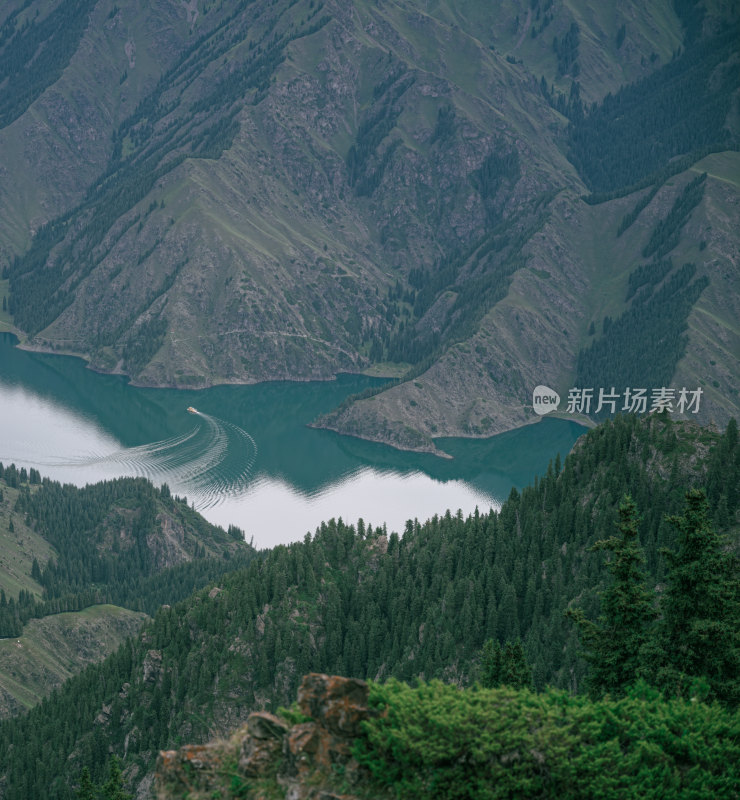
x,y
192,410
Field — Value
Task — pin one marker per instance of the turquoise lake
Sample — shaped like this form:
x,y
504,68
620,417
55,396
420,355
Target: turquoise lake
x,y
247,457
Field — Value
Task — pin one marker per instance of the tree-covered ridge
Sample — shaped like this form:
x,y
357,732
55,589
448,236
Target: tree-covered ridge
x,y
121,541
353,600
437,740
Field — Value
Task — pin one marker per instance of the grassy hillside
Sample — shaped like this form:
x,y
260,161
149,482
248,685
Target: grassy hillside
x,y
366,603
18,547
55,648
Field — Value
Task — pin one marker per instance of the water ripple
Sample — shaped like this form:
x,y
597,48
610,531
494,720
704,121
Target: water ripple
x,y
211,462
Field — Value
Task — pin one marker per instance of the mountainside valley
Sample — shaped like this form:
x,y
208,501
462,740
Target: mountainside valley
x,y
218,192
369,400
369,603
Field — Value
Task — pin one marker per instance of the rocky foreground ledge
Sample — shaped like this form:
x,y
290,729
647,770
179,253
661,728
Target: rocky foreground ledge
x,y
269,758
347,740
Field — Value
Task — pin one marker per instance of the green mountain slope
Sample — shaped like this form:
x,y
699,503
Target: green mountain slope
x,y
120,541
54,648
64,549
293,189
357,601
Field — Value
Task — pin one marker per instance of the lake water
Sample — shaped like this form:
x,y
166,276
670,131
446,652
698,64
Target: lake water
x,y
247,457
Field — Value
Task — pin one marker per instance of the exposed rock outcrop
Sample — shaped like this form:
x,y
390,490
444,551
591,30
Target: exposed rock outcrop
x,y
310,760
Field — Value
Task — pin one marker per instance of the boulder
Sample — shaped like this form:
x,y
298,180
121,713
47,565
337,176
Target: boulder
x,y
259,757
302,759
262,725
338,704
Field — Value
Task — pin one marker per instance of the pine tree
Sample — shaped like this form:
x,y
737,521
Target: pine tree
x,y
505,665
87,789
515,669
112,789
614,643
491,664
699,632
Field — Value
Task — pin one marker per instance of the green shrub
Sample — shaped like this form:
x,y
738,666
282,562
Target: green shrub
x,y
439,741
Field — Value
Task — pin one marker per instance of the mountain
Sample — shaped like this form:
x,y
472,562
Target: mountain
x,y
80,569
215,193
372,604
55,647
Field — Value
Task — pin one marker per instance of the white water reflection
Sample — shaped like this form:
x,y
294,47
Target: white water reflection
x,y
216,465
376,497
35,432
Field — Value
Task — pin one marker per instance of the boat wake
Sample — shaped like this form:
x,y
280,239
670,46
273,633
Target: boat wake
x,y
210,463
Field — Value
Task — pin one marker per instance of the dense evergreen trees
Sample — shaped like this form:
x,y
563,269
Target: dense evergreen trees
x,y
676,110
698,635
365,164
112,789
505,665
566,50
106,538
642,347
666,233
615,643
693,645
439,741
356,601
87,789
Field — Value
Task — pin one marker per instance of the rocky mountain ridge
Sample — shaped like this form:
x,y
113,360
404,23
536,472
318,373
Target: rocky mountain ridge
x,y
229,193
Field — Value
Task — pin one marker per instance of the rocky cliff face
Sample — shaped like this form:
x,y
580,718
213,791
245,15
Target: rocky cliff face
x,y
269,758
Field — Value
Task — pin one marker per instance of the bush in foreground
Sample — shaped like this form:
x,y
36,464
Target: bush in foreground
x,y
438,741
